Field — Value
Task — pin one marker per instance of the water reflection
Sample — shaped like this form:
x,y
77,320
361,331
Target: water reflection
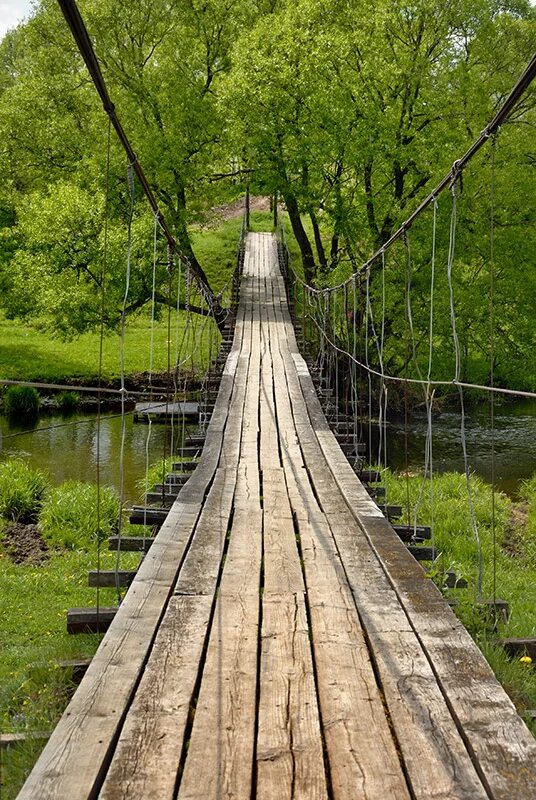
x,y
514,437
69,450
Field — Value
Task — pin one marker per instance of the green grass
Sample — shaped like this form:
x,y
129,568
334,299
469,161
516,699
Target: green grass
x,y
26,353
34,603
69,517
33,637
509,567
22,490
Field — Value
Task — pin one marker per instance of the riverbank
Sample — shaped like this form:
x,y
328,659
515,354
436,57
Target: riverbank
x,y
503,533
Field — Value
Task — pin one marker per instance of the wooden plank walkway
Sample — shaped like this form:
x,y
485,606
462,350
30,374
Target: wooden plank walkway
x,y
279,641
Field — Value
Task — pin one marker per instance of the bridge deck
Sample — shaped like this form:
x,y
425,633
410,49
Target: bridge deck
x,y
279,641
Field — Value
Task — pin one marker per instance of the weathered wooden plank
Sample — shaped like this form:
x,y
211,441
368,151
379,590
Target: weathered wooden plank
x,y
157,725
289,742
361,751
147,757
222,739
498,749
440,760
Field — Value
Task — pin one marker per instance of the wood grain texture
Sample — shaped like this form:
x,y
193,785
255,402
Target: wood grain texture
x,y
278,641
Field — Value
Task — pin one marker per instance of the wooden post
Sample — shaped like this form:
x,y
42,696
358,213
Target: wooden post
x,y
247,206
276,216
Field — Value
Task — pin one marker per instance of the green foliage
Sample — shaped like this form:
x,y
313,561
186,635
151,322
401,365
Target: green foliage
x,y
21,401
33,638
68,401
22,491
155,474
69,517
509,567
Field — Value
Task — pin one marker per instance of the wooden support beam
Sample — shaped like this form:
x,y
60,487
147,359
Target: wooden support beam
x,y
376,491
369,476
140,515
406,532
111,577
186,466
177,478
130,543
454,581
171,489
391,512
90,620
516,648
75,668
165,499
422,553
188,452
351,449
497,610
8,740
194,441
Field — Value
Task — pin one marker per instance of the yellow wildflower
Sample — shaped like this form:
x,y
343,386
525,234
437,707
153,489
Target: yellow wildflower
x,y
526,660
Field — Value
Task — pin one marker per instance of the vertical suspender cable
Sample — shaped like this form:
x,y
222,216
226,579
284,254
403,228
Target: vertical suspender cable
x,y
492,358
104,265
130,180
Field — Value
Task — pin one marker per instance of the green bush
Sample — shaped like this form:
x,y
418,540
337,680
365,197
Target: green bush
x,y
21,490
68,401
21,401
156,474
68,518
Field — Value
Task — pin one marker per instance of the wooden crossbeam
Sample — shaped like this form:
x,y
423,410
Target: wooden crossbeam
x,y
111,577
90,620
406,532
136,544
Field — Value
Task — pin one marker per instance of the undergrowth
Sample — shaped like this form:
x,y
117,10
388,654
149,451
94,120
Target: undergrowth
x,y
508,547
70,516
22,490
35,599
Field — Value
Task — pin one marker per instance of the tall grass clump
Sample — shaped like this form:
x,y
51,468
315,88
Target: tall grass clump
x,y
22,490
68,402
21,401
156,474
69,517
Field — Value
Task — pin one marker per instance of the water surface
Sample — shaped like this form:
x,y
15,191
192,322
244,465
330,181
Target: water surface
x,y
66,448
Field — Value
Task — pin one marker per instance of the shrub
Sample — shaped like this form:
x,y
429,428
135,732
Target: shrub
x,y
21,490
69,518
156,474
21,401
68,401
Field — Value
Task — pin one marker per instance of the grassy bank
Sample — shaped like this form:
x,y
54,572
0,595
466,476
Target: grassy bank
x,y
29,353
508,566
48,543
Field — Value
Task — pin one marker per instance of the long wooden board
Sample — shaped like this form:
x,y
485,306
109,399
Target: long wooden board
x,y
278,641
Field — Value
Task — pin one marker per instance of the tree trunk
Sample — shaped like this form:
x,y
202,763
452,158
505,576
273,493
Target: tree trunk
x,y
318,243
183,239
304,244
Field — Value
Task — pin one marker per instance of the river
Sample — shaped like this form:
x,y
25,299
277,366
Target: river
x,y
66,447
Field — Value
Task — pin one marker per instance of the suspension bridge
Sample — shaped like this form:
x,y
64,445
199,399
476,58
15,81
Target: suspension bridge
x,y
279,640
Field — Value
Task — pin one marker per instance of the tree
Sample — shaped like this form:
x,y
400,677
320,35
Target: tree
x,y
162,62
